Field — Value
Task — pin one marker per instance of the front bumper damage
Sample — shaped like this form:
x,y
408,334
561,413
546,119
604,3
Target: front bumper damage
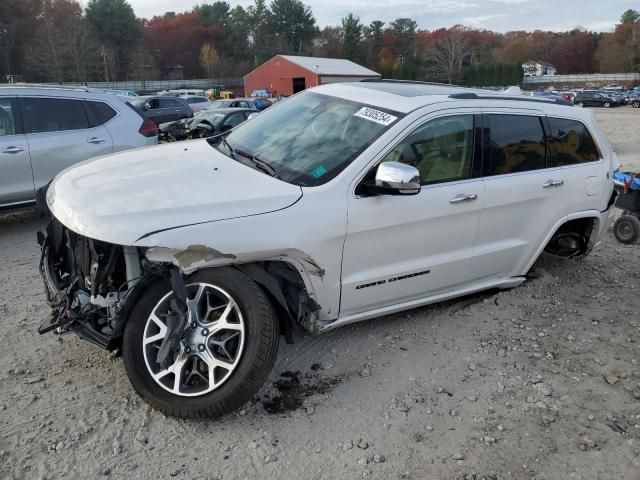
x,y
92,286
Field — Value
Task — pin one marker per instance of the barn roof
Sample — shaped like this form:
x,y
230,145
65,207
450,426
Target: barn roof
x,y
331,66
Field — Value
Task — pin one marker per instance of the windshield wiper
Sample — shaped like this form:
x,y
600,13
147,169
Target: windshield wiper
x,y
223,141
259,163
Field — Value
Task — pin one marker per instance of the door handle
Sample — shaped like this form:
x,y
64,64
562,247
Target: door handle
x,y
553,183
463,197
13,149
96,140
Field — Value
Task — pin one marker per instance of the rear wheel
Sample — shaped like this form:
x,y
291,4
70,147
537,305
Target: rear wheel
x,y
627,229
228,348
580,104
607,104
635,104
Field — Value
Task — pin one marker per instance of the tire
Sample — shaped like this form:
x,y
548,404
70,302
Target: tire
x,y
635,104
255,355
607,104
580,104
627,229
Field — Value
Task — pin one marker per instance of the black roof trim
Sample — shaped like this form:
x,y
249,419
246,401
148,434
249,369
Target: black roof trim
x,y
475,96
414,82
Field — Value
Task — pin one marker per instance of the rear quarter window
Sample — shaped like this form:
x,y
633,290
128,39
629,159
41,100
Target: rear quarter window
x,y
570,143
516,143
99,113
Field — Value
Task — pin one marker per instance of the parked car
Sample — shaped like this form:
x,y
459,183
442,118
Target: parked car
x,y
346,202
594,99
634,100
255,103
205,123
44,130
162,109
196,102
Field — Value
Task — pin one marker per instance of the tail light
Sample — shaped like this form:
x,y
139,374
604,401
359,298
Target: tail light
x,y
148,128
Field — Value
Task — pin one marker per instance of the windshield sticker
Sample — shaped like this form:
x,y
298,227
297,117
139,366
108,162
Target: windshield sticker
x,y
375,116
318,171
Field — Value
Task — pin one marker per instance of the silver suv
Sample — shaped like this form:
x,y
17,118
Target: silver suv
x,y
44,129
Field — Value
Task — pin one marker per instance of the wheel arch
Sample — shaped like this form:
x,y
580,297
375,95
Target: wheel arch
x,y
586,224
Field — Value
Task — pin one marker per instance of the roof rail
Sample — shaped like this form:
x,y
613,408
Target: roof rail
x,y
416,82
44,85
475,96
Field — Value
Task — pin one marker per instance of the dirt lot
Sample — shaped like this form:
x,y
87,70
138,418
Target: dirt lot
x,y
541,382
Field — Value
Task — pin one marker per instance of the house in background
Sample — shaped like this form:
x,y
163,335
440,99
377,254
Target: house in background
x,y
538,69
288,74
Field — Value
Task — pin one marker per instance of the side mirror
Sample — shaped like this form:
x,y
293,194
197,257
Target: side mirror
x,y
395,178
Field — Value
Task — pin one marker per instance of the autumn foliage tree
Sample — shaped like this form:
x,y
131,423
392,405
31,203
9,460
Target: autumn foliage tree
x,y
59,41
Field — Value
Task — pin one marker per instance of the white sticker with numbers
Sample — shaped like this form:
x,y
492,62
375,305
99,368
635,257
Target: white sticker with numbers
x,y
375,116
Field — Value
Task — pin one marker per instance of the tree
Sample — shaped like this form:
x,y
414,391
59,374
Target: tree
x,y
292,26
258,26
449,54
177,41
215,14
18,21
117,29
404,29
208,58
352,37
63,48
630,16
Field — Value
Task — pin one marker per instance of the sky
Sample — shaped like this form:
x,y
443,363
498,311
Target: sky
x,y
497,15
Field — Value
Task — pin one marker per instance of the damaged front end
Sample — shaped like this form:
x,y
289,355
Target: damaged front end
x,y
87,283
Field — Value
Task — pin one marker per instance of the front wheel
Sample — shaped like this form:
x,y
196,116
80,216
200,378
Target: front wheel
x,y
627,229
607,104
636,104
580,104
225,355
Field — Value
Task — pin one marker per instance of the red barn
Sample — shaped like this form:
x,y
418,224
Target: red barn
x,y
287,74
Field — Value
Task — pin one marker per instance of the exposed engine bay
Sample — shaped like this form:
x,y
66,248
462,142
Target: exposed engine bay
x,y
93,285
86,283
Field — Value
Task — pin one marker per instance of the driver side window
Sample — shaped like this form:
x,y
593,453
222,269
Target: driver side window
x,y
441,149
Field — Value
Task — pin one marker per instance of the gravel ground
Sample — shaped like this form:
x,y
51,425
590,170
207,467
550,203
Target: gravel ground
x,y
541,381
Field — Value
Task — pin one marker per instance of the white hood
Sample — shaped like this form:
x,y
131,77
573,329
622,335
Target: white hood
x,y
122,197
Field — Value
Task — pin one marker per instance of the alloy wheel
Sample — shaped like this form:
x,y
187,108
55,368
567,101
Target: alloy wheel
x,y
210,348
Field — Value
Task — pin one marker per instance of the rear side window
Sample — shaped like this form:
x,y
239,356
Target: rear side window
x,y
53,115
101,113
167,102
516,144
7,117
570,143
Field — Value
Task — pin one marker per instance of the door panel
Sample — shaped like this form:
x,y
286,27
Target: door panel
x,y
400,248
16,178
57,131
52,152
518,214
523,198
416,245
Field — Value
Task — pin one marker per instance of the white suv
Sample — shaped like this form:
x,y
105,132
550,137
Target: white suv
x,y
44,129
343,203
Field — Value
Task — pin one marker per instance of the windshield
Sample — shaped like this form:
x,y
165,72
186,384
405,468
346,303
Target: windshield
x,y
309,138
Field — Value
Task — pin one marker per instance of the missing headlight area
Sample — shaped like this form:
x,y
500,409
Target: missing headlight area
x,y
85,283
